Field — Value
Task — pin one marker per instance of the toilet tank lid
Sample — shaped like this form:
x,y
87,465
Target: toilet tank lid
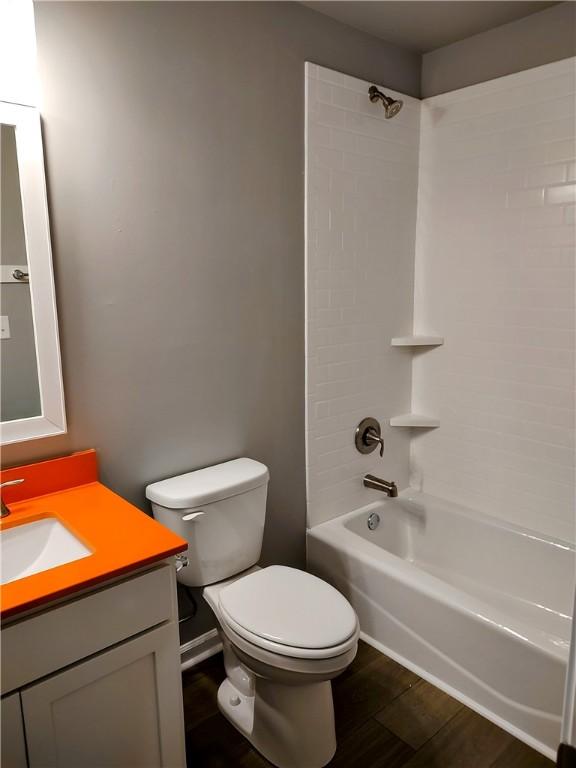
x,y
204,486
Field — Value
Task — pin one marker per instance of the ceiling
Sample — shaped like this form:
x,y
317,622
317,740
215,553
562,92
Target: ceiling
x,y
424,26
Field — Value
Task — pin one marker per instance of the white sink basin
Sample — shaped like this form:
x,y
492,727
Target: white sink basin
x,y
34,547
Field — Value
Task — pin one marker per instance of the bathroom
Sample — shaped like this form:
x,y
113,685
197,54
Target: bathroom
x,y
235,255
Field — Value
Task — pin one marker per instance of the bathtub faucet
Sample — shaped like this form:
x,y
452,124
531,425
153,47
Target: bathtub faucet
x,y
390,489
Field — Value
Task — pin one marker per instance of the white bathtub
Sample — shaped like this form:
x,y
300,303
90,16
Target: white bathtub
x,y
479,607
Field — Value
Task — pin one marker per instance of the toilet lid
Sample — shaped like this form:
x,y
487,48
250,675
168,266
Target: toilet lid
x,y
289,607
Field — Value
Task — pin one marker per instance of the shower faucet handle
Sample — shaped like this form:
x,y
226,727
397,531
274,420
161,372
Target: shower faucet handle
x,y
372,437
368,435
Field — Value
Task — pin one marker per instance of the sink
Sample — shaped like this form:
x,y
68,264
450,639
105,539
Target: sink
x,y
37,546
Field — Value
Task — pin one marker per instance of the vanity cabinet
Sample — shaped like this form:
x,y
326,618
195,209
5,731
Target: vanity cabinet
x,y
115,709
119,706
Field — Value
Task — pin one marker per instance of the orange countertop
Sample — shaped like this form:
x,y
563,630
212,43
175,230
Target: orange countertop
x,y
120,536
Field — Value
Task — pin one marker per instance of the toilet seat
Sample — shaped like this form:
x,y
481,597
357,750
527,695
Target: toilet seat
x,y
289,612
257,646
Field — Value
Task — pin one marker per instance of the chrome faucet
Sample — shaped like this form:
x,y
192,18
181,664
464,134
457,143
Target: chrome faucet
x,y
390,489
4,509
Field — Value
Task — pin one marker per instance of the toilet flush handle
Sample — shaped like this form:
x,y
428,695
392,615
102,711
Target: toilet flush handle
x,y
191,516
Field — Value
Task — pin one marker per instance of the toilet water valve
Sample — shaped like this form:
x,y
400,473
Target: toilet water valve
x,y
181,562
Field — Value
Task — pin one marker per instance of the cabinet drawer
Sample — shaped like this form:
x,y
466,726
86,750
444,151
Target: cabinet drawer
x,y
44,643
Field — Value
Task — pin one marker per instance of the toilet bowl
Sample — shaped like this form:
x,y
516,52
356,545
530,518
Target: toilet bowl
x,y
279,663
285,633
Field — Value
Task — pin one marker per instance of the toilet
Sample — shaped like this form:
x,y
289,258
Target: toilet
x,y
285,633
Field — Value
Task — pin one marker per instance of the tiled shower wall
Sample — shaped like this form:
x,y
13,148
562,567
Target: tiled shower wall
x,y
495,276
362,176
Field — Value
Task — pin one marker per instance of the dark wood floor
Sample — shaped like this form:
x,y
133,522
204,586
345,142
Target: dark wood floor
x,y
386,717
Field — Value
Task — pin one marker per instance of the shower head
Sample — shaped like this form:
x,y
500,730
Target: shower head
x,y
391,106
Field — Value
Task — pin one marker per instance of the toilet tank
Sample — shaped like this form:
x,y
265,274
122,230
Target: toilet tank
x,y
220,511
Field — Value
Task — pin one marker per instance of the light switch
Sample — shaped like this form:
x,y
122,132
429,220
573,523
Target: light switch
x,y
4,327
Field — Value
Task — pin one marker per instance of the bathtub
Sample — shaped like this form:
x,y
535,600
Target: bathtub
x,y
479,607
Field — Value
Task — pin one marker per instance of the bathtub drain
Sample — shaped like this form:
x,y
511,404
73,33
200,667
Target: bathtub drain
x,y
373,521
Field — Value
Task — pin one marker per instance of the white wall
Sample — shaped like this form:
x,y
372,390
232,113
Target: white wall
x,y
361,175
495,276
18,80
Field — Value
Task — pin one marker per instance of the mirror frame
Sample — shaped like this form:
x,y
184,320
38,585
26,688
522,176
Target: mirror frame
x,y
30,155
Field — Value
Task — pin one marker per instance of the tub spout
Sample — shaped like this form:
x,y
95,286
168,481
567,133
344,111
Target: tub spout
x,y
390,489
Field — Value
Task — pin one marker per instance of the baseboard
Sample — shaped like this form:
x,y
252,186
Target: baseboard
x,y
200,648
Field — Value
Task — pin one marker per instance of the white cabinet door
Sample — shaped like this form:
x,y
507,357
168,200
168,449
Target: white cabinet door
x,y
120,709
13,744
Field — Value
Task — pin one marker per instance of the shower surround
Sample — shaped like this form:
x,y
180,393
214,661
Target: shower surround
x,y
455,218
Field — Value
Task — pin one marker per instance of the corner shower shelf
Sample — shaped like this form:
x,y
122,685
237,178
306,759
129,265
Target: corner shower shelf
x,y
417,341
414,420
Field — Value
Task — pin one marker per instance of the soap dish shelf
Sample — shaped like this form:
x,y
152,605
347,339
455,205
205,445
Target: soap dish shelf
x,y
414,420
417,341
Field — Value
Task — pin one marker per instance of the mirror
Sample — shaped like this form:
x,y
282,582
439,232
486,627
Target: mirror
x,y
19,386
31,395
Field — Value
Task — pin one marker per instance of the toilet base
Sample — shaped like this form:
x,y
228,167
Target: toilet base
x,y
236,707
292,726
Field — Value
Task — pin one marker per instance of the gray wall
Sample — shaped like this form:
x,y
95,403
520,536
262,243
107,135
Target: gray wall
x,y
530,42
19,387
174,144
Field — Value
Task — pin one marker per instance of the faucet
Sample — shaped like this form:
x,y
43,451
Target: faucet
x,y
4,509
390,489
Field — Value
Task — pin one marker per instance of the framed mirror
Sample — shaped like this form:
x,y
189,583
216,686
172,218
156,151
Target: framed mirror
x,y
31,393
